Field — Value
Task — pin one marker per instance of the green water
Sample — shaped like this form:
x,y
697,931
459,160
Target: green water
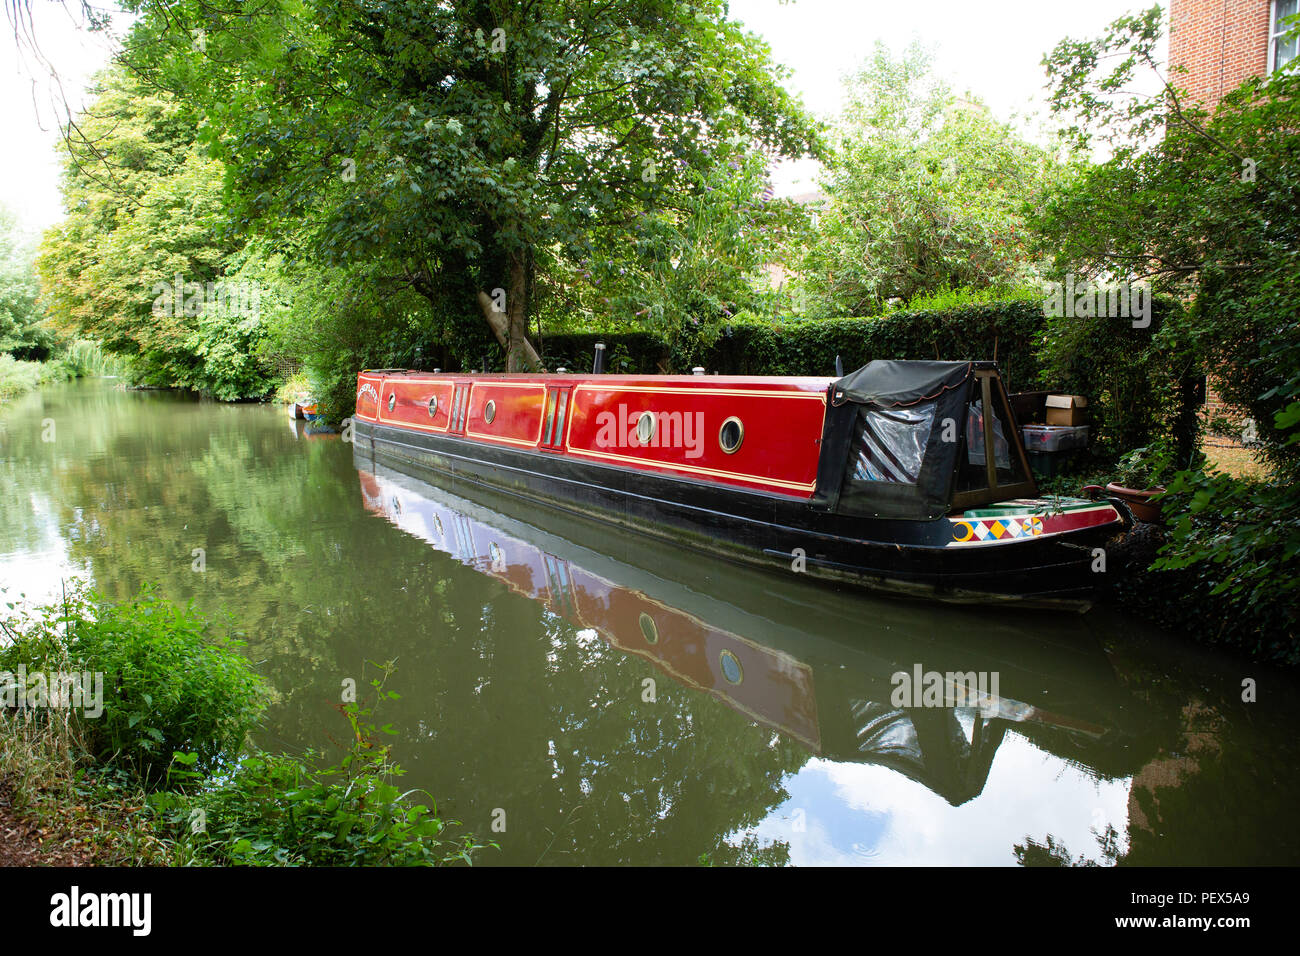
x,y
611,700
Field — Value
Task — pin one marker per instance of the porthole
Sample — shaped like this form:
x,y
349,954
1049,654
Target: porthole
x,y
731,668
489,411
648,629
731,434
645,427
433,405
392,400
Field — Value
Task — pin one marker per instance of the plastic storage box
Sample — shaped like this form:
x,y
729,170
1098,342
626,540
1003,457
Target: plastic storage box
x,y
1048,438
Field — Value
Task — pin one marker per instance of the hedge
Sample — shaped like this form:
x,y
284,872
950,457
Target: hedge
x,y
1140,385
1010,331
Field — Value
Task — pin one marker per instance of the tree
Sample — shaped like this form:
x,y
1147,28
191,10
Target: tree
x,y
464,147
21,334
140,262
926,192
680,270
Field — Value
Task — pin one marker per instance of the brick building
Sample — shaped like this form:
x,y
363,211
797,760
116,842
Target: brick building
x,y
1223,42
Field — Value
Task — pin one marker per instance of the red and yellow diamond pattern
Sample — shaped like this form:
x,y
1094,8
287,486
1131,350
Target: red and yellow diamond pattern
x,y
997,529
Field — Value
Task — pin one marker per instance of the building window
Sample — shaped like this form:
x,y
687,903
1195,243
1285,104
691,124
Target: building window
x,y
1281,50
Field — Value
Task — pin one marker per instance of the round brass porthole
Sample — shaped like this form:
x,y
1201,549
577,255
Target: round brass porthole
x,y
648,629
731,668
392,400
489,411
645,427
731,434
433,405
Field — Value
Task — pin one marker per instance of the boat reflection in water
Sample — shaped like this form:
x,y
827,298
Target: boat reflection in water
x,y
812,663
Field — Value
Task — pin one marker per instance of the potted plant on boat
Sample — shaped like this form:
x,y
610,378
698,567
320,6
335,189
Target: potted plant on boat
x,y
1139,477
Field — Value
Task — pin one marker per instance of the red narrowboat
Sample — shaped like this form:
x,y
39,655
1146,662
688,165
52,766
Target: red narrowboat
x,y
881,478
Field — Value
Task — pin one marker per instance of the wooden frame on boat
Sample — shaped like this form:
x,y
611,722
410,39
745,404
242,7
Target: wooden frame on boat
x,y
990,384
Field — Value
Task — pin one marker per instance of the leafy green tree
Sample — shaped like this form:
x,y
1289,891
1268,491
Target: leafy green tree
x,y
926,191
678,270
462,149
139,263
21,334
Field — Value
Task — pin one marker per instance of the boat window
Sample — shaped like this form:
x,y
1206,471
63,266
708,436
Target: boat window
x,y
975,438
890,443
1010,469
489,411
648,629
562,406
731,668
392,400
550,417
645,428
433,405
731,434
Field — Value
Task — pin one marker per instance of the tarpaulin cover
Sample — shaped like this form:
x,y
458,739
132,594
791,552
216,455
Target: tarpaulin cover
x,y
895,430
898,383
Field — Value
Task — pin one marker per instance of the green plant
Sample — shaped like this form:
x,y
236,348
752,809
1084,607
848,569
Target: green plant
x,y
1238,540
275,810
926,191
169,682
1144,468
17,377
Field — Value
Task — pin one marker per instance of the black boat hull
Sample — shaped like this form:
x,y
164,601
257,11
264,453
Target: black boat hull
x,y
784,534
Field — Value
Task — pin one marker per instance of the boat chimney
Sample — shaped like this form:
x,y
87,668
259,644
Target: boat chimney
x,y
598,364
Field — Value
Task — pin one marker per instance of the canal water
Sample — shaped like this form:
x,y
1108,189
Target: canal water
x,y
609,700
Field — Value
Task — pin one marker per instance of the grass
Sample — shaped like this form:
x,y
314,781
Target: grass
x,y
73,815
1234,460
82,359
17,378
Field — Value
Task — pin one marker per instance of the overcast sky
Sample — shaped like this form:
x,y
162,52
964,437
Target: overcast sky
x,y
992,49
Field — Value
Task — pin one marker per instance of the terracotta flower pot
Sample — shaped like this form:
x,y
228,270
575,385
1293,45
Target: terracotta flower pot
x,y
1139,501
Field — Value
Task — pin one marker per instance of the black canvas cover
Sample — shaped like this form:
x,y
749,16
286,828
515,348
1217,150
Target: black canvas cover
x,y
893,435
898,382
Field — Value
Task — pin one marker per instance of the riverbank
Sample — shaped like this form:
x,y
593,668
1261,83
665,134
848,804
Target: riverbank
x,y
80,360
159,770
52,814
18,378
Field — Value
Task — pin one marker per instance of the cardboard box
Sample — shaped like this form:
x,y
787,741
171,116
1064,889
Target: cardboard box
x,y
1067,410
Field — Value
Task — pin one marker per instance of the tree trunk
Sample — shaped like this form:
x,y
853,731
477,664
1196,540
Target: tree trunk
x,y
511,326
